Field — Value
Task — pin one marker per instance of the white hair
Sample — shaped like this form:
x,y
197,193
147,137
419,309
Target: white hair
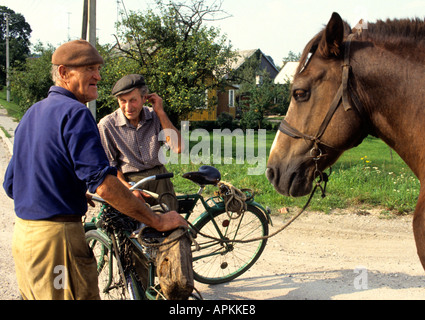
x,y
55,73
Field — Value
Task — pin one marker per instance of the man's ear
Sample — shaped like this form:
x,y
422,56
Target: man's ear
x,y
332,38
63,72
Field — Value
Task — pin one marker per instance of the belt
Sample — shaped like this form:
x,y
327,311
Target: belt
x,y
65,218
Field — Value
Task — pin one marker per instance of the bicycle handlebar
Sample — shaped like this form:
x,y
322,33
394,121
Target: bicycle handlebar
x,y
152,178
140,182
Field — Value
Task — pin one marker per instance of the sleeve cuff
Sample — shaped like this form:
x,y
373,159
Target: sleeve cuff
x,y
98,179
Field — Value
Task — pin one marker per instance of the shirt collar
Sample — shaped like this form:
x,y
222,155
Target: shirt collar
x,y
63,91
121,120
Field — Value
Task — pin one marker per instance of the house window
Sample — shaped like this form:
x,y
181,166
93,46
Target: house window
x,y
205,106
231,98
259,79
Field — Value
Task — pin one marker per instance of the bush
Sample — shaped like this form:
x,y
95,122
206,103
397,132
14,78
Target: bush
x,y
30,82
225,120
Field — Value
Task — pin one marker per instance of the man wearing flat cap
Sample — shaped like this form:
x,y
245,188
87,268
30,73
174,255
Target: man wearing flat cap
x,y
57,157
131,137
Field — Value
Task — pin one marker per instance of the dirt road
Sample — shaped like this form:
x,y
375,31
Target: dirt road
x,y
336,256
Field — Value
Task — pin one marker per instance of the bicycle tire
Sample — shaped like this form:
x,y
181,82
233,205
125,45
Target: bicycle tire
x,y
116,289
225,262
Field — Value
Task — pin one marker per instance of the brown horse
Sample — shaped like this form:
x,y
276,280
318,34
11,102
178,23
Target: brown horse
x,y
350,84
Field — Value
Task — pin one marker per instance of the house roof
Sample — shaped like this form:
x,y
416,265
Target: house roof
x,y
243,55
287,73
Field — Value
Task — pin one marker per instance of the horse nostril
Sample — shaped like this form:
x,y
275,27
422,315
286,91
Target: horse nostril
x,y
270,174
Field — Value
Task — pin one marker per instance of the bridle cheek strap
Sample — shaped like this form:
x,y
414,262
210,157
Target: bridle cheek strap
x,y
341,95
287,129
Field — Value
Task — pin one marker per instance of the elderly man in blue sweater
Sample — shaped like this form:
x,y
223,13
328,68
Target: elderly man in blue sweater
x,y
57,157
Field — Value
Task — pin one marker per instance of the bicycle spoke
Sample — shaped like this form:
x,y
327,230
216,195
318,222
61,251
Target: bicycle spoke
x,y
223,261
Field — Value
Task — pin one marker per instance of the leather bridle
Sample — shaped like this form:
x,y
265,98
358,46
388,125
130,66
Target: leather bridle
x,y
343,95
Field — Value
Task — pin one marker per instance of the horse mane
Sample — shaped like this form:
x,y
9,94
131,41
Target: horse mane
x,y
397,35
312,46
398,31
309,50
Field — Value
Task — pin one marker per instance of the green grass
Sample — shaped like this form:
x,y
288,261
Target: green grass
x,y
12,108
370,175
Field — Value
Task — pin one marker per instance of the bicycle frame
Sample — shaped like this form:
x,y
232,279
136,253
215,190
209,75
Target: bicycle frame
x,y
217,206
212,206
151,292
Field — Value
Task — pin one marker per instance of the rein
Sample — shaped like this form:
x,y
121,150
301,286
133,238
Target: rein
x,y
343,95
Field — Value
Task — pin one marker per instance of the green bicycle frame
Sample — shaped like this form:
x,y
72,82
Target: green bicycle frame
x,y
217,205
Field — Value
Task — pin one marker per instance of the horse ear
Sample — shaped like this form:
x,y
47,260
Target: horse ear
x,y
330,44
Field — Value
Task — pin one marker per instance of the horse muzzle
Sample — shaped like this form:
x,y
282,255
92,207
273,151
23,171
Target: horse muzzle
x,y
293,181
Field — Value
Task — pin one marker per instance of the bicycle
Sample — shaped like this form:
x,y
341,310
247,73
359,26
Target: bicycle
x,y
126,266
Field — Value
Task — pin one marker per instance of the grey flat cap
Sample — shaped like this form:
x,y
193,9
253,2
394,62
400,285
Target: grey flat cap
x,y
128,83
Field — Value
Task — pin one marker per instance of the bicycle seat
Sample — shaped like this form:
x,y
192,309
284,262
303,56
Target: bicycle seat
x,y
205,175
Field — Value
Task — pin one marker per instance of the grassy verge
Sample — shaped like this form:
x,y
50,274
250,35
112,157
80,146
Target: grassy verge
x,y
367,176
13,109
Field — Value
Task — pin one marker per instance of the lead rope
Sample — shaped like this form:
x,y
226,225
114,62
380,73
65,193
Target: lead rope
x,y
324,177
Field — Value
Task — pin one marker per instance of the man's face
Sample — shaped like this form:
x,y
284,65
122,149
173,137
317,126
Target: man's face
x,y
83,82
131,105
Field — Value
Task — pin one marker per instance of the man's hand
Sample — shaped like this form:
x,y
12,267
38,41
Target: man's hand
x,y
170,221
156,102
172,135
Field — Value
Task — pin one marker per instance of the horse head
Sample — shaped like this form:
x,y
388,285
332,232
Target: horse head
x,y
323,119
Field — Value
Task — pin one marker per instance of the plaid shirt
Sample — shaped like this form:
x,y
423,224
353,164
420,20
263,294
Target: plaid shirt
x,y
131,149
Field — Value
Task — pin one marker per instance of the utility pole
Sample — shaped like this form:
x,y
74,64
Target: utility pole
x,y
89,24
84,27
69,27
7,59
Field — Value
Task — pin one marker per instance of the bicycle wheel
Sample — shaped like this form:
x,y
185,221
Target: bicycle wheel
x,y
217,262
111,286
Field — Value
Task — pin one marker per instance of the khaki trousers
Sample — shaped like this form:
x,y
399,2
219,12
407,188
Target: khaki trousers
x,y
53,261
158,186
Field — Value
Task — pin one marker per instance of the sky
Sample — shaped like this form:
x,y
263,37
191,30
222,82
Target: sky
x,y
274,26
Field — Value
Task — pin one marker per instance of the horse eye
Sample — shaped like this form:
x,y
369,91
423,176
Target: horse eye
x,y
300,95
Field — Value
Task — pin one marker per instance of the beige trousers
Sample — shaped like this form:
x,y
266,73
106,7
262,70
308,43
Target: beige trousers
x,y
163,186
53,261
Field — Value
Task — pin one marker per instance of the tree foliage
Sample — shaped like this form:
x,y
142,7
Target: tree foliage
x,y
180,57
260,99
19,35
30,81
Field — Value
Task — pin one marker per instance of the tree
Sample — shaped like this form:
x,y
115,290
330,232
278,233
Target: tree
x,y
115,67
30,81
261,98
291,57
19,35
180,57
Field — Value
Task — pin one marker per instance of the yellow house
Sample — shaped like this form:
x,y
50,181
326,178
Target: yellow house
x,y
224,98
223,101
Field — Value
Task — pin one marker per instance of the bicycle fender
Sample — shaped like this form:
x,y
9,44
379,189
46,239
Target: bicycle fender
x,y
103,235
266,212
220,206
